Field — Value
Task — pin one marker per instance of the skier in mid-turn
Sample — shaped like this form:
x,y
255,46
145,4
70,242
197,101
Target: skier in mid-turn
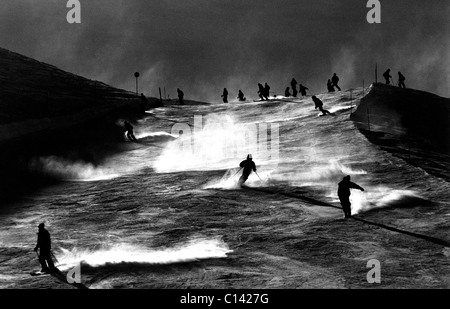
x,y
248,166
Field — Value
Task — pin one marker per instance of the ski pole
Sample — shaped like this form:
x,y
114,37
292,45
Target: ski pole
x,y
51,252
258,176
237,172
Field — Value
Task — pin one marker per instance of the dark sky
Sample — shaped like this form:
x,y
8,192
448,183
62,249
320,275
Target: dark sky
x,y
202,46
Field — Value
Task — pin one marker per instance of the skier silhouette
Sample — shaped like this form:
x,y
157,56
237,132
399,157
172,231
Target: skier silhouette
x,y
344,194
387,76
44,244
287,93
262,92
248,166
294,87
225,95
303,90
330,86
266,91
335,81
401,80
319,105
180,96
241,96
144,102
129,130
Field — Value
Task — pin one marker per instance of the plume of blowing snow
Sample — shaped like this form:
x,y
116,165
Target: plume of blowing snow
x,y
193,250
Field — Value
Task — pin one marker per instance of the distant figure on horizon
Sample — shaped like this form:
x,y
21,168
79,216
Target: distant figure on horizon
x,y
248,166
225,95
261,92
401,80
294,87
387,76
129,130
344,194
180,96
266,91
319,105
303,90
144,102
330,86
241,96
335,81
45,246
287,94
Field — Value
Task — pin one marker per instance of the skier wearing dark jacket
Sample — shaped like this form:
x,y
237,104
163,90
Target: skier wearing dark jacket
x,y
248,166
129,129
344,194
303,90
319,105
44,244
335,81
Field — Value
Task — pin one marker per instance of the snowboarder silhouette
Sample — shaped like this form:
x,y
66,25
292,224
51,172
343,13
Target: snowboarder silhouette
x,y
303,90
180,96
319,105
225,95
129,130
401,80
241,96
335,81
44,244
387,76
248,166
294,87
344,194
287,93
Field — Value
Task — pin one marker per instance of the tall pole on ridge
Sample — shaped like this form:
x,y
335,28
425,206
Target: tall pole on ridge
x,y
376,73
137,76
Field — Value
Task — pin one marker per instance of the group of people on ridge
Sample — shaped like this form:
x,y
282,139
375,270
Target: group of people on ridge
x,y
302,89
333,83
240,96
263,91
401,78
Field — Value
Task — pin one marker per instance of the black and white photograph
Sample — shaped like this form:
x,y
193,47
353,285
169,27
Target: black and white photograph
x,y
222,149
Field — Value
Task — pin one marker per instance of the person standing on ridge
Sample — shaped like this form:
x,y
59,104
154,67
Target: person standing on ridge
x,y
387,76
225,95
44,244
401,80
144,102
129,130
180,96
287,94
248,166
319,105
266,91
261,92
303,90
344,194
294,87
241,96
330,86
335,81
